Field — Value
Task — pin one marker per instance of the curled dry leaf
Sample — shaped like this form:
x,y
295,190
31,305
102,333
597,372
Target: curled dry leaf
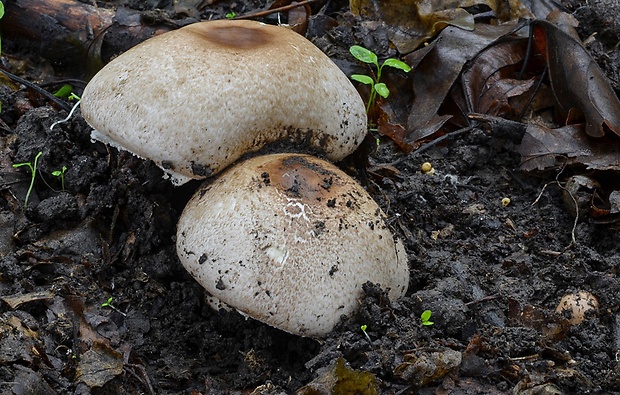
x,y
439,70
544,148
579,85
490,83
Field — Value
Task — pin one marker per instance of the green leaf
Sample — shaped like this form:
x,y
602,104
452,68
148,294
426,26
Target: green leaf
x,y
64,91
425,317
364,79
397,64
382,90
364,55
56,173
108,302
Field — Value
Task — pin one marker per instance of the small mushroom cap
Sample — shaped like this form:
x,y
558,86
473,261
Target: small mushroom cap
x,y
289,240
196,99
577,305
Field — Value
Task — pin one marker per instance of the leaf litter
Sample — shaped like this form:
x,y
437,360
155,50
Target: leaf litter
x,y
486,72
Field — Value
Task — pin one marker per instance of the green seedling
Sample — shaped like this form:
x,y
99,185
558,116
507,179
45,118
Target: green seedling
x,y
66,92
33,173
376,87
61,173
363,328
425,318
108,303
231,15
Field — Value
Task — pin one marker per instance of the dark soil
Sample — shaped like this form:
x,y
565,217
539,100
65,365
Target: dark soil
x,y
492,275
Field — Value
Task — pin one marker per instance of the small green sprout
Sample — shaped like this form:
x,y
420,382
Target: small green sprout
x,y
231,15
108,303
367,56
66,92
363,328
33,174
61,173
425,318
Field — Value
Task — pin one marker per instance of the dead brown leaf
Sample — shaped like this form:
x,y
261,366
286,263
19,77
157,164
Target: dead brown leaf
x,y
545,148
423,367
99,365
489,83
412,22
579,85
396,132
551,325
439,70
14,301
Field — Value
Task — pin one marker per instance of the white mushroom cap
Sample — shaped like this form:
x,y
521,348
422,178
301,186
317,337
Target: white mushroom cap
x,y
577,305
196,99
289,240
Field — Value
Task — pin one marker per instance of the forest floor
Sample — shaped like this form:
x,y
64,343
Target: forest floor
x,y
491,274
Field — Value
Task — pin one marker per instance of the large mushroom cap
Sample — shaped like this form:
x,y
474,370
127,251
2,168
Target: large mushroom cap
x,y
289,240
196,99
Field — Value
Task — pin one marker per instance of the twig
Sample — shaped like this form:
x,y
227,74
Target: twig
x,y
144,379
62,104
275,10
483,299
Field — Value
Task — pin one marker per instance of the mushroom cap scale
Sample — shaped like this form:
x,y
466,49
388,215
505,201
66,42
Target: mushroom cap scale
x,y
196,99
289,240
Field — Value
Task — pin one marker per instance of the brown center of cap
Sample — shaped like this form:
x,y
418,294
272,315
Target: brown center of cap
x,y
302,179
235,37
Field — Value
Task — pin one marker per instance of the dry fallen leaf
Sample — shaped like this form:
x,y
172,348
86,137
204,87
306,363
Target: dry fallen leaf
x,y
489,83
544,149
99,365
579,85
440,68
412,22
421,368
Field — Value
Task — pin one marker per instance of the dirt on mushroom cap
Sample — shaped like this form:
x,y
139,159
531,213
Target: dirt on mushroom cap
x,y
289,240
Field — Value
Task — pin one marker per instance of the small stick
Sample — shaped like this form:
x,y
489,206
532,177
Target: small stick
x,y
65,106
275,10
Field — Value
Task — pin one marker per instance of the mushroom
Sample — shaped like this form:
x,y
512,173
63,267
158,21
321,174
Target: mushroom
x,y
289,239
575,306
196,99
